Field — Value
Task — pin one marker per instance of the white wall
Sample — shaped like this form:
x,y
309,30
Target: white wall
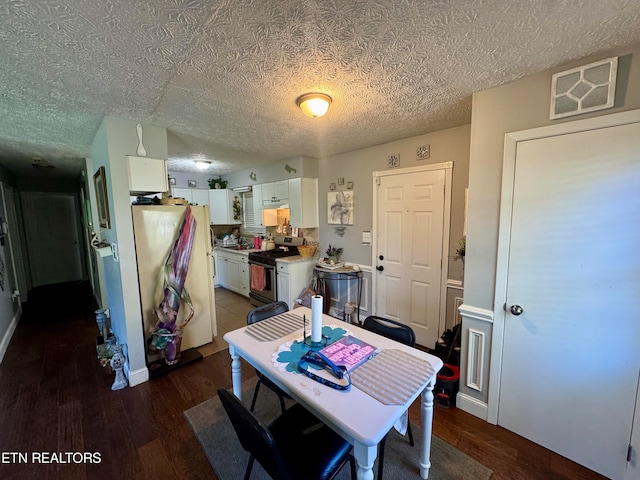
x,y
446,145
297,167
358,166
115,139
517,106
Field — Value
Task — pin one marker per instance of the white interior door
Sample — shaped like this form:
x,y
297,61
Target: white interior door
x,y
570,359
410,231
52,237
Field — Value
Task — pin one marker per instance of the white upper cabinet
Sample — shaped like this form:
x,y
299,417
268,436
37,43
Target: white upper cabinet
x,y
147,175
274,194
303,202
225,207
195,196
200,196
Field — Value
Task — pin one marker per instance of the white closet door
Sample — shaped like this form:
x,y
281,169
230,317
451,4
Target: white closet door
x,y
570,359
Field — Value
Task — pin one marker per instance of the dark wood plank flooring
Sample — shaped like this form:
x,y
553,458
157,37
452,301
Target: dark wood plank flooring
x,y
55,397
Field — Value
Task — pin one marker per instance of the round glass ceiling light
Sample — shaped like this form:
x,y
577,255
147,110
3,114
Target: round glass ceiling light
x,y
202,164
314,104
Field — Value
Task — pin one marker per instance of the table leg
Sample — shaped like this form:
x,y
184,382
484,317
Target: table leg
x,y
365,456
426,414
236,372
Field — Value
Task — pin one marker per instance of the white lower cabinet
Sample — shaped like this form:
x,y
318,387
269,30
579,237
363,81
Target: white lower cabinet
x,y
291,278
233,271
243,270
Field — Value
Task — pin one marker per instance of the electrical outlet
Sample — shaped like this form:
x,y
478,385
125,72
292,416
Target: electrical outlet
x,y
114,252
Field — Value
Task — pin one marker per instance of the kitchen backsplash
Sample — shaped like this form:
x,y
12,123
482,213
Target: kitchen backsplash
x,y
311,235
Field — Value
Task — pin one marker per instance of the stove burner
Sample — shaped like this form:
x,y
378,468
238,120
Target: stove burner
x,y
269,257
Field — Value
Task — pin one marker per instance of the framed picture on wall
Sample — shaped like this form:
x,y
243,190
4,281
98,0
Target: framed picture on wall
x,y
102,200
341,208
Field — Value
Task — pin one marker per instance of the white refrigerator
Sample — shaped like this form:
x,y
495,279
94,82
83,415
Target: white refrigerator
x,y
155,229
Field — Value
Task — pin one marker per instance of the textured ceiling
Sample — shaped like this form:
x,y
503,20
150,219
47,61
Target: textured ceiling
x,y
223,76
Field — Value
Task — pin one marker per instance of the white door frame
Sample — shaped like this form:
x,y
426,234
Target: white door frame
x,y
444,270
504,230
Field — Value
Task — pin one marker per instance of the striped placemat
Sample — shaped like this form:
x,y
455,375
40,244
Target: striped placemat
x,y
275,327
392,376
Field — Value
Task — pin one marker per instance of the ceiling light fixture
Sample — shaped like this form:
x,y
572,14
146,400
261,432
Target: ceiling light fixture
x,y
202,164
314,104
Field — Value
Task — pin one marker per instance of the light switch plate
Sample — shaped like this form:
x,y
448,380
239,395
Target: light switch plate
x,y
366,238
114,251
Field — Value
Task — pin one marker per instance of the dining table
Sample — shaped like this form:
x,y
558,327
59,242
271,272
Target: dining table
x,y
382,388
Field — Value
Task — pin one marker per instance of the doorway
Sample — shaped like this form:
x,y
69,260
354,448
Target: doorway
x,y
53,239
411,234
568,278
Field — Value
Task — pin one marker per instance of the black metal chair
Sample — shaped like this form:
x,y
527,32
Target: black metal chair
x,y
257,314
400,333
295,445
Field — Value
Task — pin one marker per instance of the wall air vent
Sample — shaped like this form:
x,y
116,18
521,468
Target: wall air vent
x,y
584,89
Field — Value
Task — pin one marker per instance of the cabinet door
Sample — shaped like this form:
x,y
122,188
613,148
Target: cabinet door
x,y
147,175
282,189
283,289
223,271
234,276
303,202
221,207
268,192
243,268
200,196
181,193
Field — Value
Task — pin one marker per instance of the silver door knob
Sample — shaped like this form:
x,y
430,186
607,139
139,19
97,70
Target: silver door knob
x,y
516,310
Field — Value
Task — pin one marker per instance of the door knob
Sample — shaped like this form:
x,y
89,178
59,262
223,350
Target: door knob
x,y
380,268
516,310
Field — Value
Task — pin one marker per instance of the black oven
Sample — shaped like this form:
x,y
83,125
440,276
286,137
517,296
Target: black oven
x,y
262,270
262,278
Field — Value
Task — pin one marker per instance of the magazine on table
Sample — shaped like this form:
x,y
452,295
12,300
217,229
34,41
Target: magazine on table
x,y
349,352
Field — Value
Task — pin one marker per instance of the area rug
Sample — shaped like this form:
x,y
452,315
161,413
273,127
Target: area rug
x,y
221,446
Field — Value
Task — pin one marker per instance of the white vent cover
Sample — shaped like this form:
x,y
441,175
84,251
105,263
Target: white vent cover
x,y
584,89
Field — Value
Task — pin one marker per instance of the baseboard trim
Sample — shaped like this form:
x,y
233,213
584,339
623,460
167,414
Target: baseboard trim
x,y
472,405
138,376
4,344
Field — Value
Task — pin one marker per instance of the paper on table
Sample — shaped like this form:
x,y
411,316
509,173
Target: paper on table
x,y
316,318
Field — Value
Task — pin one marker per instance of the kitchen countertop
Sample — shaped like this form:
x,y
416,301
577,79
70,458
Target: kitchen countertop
x,y
246,252
297,259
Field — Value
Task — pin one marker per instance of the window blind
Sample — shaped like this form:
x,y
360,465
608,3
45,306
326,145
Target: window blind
x,y
251,226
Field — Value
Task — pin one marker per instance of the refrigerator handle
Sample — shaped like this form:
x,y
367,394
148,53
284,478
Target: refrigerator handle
x,y
213,262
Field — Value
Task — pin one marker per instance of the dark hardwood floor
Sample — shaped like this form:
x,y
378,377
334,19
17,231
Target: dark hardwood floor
x,y
55,397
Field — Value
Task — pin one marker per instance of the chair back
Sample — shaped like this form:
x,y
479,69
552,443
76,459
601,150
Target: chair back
x,y
254,435
266,311
391,329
